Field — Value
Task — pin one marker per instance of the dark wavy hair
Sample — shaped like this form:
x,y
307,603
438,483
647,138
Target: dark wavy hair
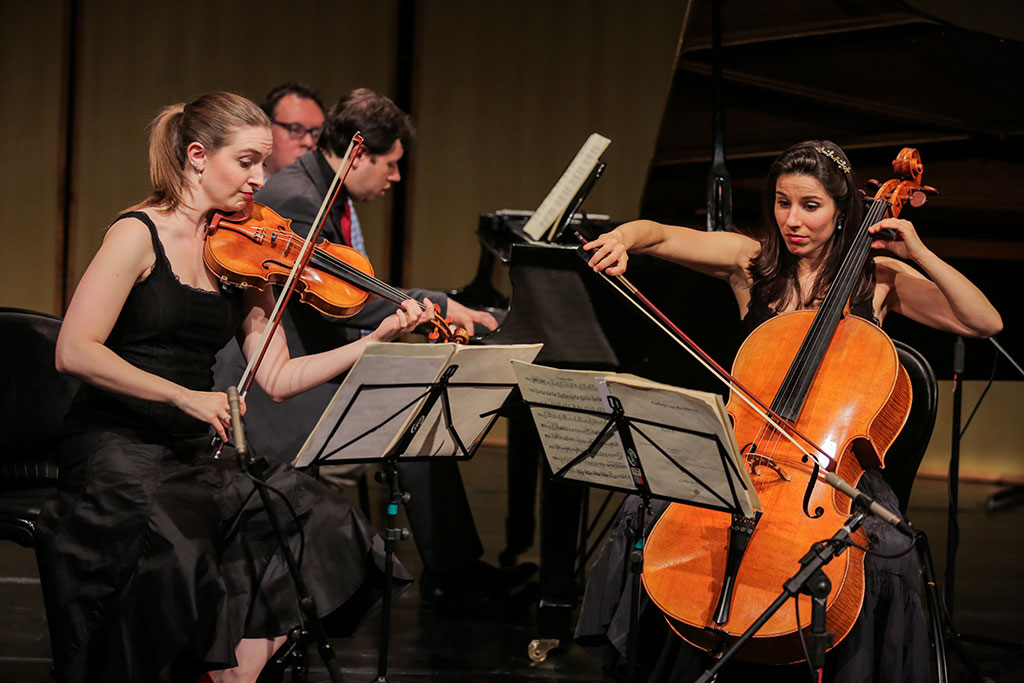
x,y
375,116
773,270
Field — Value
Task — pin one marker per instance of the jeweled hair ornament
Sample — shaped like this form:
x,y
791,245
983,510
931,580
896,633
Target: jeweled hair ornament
x,y
843,165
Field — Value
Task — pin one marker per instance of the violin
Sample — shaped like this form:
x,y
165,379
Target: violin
x,y
260,249
836,381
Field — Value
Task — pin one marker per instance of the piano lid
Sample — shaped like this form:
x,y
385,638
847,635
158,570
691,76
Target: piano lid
x,y
873,76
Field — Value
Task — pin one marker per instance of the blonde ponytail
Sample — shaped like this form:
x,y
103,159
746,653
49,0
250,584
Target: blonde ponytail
x,y
210,120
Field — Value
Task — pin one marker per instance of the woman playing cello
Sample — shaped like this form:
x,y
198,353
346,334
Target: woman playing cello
x,y
811,194
159,563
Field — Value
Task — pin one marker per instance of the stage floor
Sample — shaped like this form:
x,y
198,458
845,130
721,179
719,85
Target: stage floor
x,y
427,647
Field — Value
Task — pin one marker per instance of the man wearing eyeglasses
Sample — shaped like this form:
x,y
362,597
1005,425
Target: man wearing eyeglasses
x,y
297,113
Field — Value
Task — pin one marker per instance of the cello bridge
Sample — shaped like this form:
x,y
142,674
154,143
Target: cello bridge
x,y
757,461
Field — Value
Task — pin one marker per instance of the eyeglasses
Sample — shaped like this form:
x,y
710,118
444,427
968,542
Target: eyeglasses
x,y
297,131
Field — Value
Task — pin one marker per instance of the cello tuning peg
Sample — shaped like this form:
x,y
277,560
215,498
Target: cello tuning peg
x,y
920,195
872,183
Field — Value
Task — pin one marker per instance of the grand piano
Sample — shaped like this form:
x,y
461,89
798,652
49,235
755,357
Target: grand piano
x,y
871,75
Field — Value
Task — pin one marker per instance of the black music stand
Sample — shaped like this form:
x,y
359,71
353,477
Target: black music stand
x,y
310,624
712,449
425,427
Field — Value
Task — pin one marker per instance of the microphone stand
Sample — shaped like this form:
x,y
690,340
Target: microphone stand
x,y
310,623
1013,495
810,580
943,622
953,478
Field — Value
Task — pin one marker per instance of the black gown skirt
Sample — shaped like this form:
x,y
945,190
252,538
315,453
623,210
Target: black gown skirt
x,y
157,555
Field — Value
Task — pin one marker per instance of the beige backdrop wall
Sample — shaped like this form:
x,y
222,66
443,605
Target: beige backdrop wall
x,y
31,152
504,94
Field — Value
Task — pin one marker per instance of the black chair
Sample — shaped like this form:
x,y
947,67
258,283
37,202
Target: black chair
x,y
906,452
34,398
901,464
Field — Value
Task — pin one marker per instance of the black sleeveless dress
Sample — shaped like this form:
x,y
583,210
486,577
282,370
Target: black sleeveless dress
x,y
155,554
887,644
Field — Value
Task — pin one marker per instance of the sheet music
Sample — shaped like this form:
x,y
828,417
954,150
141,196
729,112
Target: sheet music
x,y
364,426
564,435
476,364
695,410
557,201
381,363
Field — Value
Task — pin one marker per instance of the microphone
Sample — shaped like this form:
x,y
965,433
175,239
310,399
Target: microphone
x,y
873,506
236,423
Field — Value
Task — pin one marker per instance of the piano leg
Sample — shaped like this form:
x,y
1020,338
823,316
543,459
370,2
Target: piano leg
x,y
524,455
561,509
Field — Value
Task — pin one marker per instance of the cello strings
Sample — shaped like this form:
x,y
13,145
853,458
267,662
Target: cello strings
x,y
851,265
627,289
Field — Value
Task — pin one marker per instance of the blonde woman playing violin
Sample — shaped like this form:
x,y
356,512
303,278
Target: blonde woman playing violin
x,y
161,564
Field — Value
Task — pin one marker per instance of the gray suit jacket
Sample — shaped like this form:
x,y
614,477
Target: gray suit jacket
x,y
277,431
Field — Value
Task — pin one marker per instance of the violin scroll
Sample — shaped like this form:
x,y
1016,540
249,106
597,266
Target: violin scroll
x,y
444,329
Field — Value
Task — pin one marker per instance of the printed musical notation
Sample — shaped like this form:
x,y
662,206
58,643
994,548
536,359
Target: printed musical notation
x,y
557,201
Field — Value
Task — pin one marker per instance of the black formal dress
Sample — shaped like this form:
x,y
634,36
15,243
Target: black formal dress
x,y
438,510
155,554
887,644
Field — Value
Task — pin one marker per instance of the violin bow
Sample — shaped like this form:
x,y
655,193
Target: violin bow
x,y
301,261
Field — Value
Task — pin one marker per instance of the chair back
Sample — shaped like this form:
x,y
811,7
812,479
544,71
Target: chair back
x,y
904,456
34,397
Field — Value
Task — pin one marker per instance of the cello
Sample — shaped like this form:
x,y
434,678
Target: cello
x,y
834,379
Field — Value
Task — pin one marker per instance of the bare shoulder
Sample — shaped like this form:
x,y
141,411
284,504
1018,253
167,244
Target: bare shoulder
x,y
128,246
128,231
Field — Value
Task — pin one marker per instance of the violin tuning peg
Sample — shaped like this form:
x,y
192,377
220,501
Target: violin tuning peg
x,y
917,198
929,190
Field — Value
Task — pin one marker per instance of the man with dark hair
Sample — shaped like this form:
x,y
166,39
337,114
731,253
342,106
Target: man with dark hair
x,y
438,511
297,112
